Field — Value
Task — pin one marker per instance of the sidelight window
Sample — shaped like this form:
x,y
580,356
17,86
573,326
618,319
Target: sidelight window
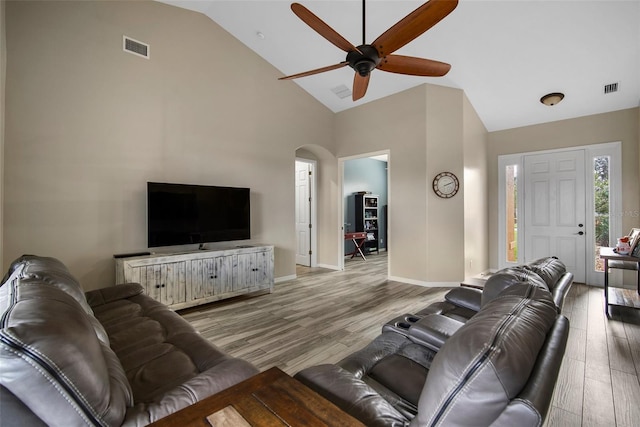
x,y
511,208
601,207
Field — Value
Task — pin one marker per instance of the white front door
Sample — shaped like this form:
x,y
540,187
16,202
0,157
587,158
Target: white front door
x,y
303,213
555,210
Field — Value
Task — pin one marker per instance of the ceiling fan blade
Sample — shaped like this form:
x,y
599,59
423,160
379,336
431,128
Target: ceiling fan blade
x,y
316,71
413,66
413,25
360,85
322,28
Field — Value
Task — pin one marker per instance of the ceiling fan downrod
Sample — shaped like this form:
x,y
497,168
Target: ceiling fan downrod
x,y
364,33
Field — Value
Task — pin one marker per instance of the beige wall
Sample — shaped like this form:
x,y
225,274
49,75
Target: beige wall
x,y
445,152
396,123
476,194
424,132
600,128
90,124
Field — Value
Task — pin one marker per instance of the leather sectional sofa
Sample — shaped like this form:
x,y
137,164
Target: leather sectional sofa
x,y
109,357
487,358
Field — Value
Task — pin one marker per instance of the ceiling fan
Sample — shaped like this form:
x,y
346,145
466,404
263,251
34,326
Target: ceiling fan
x,y
367,57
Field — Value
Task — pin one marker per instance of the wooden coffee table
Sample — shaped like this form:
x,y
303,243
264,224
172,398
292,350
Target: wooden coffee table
x,y
271,398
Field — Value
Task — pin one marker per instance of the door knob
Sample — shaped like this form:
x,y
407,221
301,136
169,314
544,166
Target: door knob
x,y
580,233
580,225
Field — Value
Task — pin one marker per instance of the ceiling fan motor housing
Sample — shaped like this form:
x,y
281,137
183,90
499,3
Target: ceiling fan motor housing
x,y
365,60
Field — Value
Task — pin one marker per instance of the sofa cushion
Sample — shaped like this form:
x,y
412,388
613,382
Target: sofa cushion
x,y
158,349
482,367
52,359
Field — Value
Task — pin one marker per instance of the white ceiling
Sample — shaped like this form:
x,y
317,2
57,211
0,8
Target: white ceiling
x,y
505,54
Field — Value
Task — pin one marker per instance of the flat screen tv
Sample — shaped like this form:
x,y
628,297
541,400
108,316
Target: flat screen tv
x,y
180,214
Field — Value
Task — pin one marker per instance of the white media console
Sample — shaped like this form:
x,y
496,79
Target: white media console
x,y
187,279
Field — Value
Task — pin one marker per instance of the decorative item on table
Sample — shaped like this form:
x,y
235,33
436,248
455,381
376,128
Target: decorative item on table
x,y
623,247
634,242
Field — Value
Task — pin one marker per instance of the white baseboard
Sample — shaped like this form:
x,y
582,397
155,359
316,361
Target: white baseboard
x,y
285,278
328,266
425,284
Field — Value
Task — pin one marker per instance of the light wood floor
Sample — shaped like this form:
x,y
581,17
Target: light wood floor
x,y
324,315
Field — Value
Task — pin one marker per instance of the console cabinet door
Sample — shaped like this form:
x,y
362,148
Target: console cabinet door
x,y
254,270
163,282
211,276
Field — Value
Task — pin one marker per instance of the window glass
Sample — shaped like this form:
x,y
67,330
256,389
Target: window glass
x,y
512,213
601,207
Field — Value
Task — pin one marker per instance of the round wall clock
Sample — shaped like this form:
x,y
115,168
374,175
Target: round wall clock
x,y
446,185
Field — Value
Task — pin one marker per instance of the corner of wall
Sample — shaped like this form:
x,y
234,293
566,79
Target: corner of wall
x,y
3,73
476,193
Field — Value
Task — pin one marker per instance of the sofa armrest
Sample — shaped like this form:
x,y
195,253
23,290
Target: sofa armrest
x,y
352,395
531,406
560,289
465,297
205,384
433,330
113,293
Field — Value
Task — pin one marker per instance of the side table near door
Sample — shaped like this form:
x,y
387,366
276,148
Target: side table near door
x,y
358,238
617,296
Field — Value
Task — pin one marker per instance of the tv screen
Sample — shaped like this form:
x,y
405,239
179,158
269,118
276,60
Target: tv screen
x,y
180,214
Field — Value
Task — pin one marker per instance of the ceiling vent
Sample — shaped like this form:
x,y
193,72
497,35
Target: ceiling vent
x,y
341,91
135,47
610,88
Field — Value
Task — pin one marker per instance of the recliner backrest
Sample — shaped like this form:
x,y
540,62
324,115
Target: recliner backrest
x,y
487,362
504,278
550,269
55,355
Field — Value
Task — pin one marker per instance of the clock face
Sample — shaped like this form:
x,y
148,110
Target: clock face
x,y
446,185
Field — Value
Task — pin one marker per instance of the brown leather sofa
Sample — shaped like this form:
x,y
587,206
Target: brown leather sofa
x,y
458,366
110,357
548,273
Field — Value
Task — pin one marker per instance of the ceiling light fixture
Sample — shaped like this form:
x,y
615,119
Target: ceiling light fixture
x,y
551,99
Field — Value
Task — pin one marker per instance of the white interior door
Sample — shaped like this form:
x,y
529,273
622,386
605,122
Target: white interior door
x,y
303,213
555,210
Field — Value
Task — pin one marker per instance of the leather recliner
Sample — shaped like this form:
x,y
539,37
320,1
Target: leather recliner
x,y
548,273
498,368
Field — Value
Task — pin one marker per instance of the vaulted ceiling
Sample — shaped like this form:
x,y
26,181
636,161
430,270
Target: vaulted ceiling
x,y
505,54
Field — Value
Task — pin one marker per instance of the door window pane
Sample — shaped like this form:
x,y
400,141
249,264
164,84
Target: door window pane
x,y
512,213
601,207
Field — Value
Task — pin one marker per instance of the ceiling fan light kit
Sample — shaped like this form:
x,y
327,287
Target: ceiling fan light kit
x,y
379,54
552,99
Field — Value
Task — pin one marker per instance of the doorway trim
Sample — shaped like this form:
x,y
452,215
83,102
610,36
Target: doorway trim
x,y
612,149
341,162
313,191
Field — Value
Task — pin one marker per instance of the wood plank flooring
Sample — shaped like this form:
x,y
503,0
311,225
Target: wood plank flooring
x,y
598,383
324,315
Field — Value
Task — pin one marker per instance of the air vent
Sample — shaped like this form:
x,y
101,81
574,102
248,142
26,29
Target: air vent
x,y
341,91
136,47
611,87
